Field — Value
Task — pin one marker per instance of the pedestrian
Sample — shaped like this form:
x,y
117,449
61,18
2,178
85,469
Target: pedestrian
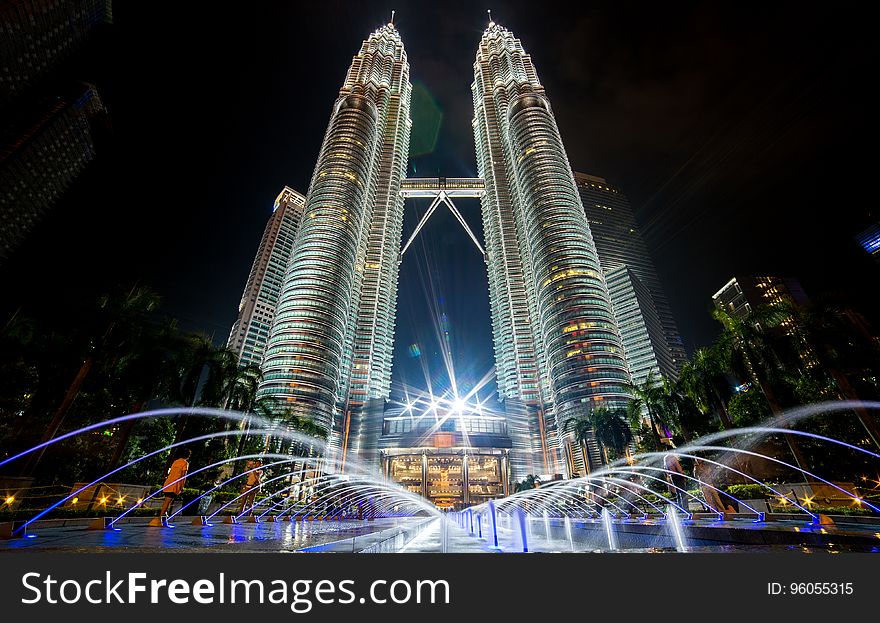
x,y
252,485
677,480
173,486
703,473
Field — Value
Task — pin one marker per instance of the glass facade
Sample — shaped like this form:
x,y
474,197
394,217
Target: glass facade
x,y
619,243
41,157
257,308
557,347
454,461
330,345
640,327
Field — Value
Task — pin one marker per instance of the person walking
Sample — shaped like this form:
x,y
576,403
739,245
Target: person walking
x,y
251,485
173,486
703,473
676,478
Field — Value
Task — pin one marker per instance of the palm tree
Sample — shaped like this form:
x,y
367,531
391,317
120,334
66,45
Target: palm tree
x,y
680,410
611,430
746,344
122,318
752,357
831,336
137,377
647,396
703,380
607,426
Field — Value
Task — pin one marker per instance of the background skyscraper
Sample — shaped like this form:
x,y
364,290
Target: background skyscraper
x,y
640,328
37,35
619,243
41,157
48,118
743,294
558,352
333,327
869,240
257,308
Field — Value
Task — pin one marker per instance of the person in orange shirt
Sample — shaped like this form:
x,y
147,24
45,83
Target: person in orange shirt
x,y
251,485
173,486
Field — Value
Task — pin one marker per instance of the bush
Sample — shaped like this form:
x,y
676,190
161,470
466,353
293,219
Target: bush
x,y
842,510
751,491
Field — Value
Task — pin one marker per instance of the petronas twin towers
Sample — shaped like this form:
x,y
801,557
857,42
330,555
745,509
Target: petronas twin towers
x,y
557,348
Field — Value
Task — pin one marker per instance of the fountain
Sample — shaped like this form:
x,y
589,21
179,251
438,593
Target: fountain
x,y
569,533
609,530
494,519
675,524
635,487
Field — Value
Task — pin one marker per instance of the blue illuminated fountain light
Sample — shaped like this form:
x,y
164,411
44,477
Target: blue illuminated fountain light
x,y
382,499
593,498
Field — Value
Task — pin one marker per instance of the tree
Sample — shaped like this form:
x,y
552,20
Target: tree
x,y
748,408
611,430
752,356
681,411
745,343
648,396
703,380
527,484
839,344
122,317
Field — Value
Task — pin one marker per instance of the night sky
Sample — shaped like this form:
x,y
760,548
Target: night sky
x,y
742,134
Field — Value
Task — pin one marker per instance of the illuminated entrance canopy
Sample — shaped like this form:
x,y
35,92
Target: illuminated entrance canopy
x,y
443,190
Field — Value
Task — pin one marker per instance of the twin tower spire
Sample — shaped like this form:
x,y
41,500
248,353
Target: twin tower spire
x,y
558,354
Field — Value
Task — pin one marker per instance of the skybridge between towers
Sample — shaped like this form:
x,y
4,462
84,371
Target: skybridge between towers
x,y
443,190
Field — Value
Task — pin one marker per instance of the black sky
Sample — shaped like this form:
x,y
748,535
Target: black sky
x,y
743,134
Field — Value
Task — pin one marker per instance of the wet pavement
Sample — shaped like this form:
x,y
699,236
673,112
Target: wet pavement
x,y
441,534
184,537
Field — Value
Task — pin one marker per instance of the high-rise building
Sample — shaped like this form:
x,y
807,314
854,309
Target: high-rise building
x,y
257,308
619,243
557,348
329,350
640,327
40,158
37,35
48,118
869,240
742,295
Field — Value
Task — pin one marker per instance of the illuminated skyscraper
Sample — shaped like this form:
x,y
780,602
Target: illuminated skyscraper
x,y
330,346
619,243
640,328
38,35
257,308
869,240
41,156
558,352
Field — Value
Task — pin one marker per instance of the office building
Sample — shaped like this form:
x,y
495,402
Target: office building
x,y
619,243
557,348
257,308
41,157
329,349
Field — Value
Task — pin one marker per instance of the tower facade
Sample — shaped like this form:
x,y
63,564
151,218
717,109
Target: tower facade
x,y
257,308
641,330
329,348
41,156
557,348
619,243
